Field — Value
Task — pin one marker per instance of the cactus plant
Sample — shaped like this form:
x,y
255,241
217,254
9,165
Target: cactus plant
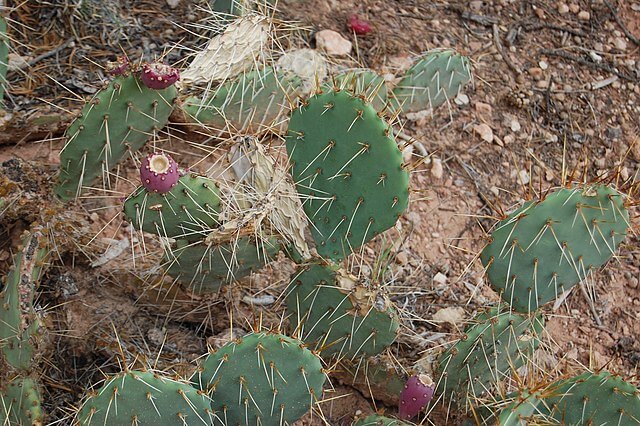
x,y
497,343
261,379
20,325
4,57
249,104
188,211
119,119
547,246
20,402
338,316
434,77
348,171
204,268
364,82
145,398
376,420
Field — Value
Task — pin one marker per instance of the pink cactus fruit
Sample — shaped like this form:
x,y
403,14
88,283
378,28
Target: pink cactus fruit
x,y
118,67
158,76
359,26
159,173
416,394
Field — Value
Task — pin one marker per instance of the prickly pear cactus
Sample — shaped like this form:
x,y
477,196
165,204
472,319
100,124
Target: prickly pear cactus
x,y
376,420
4,57
145,398
490,349
20,325
119,119
249,104
545,247
261,379
338,316
20,403
366,83
348,171
433,78
188,211
587,399
204,268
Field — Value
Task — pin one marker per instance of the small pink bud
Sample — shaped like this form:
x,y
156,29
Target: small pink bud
x,y
359,26
159,76
119,66
159,173
416,394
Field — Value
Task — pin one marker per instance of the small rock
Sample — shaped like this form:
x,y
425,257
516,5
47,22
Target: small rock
x,y
401,62
440,278
595,56
461,99
543,65
574,8
173,3
584,15
451,315
620,43
624,173
515,125
523,177
484,109
509,139
333,43
436,168
614,132
475,5
484,131
563,8
16,62
536,73
401,258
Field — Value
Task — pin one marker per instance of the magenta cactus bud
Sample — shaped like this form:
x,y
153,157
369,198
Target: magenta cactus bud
x,y
159,173
159,76
119,66
416,394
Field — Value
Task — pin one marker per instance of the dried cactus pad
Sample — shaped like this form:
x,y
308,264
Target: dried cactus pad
x,y
546,247
337,315
433,78
261,379
348,171
144,398
119,119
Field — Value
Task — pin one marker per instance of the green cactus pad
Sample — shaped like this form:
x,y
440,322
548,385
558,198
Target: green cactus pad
x,y
364,82
587,399
376,420
261,379
205,268
348,171
144,398
20,326
545,247
248,104
593,398
189,211
20,403
119,119
498,343
4,57
336,315
433,78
